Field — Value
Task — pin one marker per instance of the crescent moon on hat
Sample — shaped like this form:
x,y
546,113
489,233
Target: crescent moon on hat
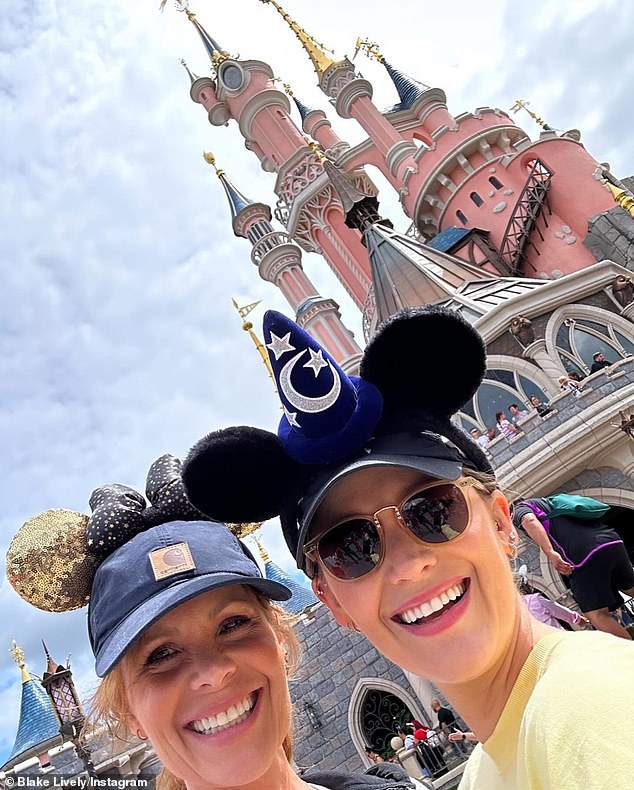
x,y
303,402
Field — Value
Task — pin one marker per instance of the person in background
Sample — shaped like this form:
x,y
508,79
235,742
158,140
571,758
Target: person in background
x,y
599,362
505,427
541,408
547,611
566,384
517,413
591,554
479,438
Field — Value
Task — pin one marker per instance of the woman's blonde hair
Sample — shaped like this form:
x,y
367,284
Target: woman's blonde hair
x,y
109,707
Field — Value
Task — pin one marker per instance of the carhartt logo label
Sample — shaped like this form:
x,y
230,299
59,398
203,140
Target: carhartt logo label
x,y
171,560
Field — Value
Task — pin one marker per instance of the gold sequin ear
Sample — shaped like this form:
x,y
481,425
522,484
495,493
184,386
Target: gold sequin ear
x,y
48,563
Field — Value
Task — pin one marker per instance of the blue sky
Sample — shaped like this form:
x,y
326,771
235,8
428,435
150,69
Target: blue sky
x,y
118,341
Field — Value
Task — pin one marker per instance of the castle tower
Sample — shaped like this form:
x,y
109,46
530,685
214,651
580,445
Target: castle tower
x,y
245,91
538,205
38,727
279,261
352,96
58,683
302,596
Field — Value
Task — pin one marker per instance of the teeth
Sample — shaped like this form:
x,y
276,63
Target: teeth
x,y
229,718
435,605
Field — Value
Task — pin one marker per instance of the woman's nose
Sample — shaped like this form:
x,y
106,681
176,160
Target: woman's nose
x,y
211,669
406,558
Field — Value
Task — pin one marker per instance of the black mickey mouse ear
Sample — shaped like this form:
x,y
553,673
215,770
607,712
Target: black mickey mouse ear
x,y
240,474
117,515
164,488
426,359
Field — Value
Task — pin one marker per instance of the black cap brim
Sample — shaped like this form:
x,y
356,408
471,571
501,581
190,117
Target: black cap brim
x,y
141,618
449,467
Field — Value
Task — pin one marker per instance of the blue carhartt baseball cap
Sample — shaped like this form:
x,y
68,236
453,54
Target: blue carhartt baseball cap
x,y
159,569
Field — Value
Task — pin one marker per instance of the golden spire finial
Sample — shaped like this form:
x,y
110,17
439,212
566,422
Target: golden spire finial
x,y
521,104
211,160
18,657
370,48
623,197
243,312
263,552
315,51
316,149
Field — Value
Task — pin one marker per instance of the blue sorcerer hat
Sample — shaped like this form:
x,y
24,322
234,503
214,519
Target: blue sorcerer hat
x,y
420,367
325,411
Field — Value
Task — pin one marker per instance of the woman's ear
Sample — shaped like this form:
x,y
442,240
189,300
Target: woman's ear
x,y
325,595
502,515
132,723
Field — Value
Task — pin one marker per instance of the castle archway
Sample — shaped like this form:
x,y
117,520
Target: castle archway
x,y
376,707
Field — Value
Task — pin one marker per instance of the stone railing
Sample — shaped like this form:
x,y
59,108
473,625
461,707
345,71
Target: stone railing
x,y
602,385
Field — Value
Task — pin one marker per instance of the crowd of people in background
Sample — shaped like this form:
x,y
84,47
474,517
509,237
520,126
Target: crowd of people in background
x,y
510,427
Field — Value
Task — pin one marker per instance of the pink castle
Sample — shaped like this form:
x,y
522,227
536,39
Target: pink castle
x,y
485,200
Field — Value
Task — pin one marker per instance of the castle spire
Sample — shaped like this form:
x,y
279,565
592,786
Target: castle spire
x,y
237,201
18,657
243,312
408,88
304,110
315,51
263,552
192,76
216,53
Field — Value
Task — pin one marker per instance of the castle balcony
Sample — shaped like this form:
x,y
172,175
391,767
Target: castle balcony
x,y
575,436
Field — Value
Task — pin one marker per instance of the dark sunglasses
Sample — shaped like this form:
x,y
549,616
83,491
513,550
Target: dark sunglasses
x,y
435,513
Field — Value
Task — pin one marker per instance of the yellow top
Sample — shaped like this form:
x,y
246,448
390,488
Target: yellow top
x,y
623,197
315,50
18,657
563,724
263,552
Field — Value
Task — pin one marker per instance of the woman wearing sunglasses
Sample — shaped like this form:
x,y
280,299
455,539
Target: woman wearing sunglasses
x,y
193,654
395,515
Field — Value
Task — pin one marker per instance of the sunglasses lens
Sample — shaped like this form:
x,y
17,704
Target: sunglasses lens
x,y
436,514
350,550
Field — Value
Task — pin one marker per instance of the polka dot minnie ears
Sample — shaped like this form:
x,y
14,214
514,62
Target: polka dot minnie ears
x,y
52,560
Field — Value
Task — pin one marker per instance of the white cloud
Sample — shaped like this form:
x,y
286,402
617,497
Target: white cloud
x,y
118,340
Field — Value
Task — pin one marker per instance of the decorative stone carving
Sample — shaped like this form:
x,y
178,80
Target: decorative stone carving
x,y
623,289
522,329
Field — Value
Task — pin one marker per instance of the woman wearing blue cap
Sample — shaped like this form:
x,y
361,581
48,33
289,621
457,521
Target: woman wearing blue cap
x,y
395,515
193,654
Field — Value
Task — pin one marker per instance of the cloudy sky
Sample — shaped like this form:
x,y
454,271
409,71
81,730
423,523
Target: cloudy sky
x,y
118,340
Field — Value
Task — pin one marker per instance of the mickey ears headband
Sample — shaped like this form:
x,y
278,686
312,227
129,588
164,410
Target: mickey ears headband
x,y
52,560
421,366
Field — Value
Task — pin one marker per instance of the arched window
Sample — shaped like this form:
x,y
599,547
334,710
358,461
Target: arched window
x,y
495,182
380,713
579,339
476,198
498,390
462,217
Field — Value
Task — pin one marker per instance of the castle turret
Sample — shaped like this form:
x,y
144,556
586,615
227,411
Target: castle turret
x,y
352,97
302,597
246,91
279,261
38,727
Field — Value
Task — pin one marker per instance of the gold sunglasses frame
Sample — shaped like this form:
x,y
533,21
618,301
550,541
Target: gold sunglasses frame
x,y
310,550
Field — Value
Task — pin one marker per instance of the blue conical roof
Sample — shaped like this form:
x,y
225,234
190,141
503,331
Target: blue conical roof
x,y
408,89
237,201
302,596
38,722
211,45
304,109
